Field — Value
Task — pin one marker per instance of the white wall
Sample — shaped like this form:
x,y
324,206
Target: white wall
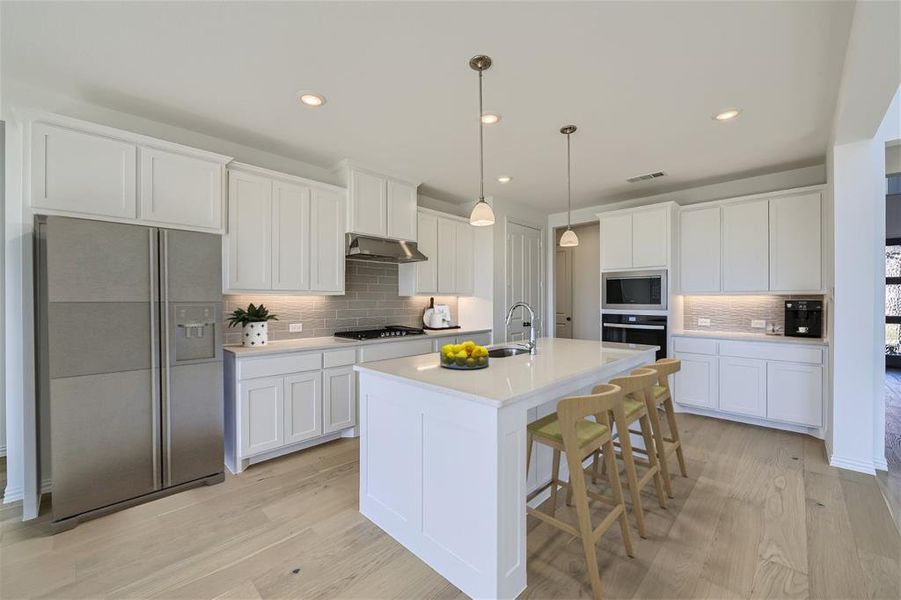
x,y
866,116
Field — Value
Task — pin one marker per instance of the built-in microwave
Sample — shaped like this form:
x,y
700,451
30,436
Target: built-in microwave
x,y
634,290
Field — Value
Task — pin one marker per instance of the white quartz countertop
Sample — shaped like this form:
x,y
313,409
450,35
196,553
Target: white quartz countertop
x,y
751,337
331,343
506,379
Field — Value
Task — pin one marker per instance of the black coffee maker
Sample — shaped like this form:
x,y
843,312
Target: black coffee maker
x,y
804,318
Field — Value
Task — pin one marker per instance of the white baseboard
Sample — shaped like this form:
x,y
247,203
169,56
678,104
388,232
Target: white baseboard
x,y
852,464
880,463
14,494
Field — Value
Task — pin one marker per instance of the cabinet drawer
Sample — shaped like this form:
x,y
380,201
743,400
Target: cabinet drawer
x,y
268,366
395,350
773,351
339,358
694,345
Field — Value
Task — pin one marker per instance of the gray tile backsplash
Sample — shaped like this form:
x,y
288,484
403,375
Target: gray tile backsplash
x,y
734,313
370,300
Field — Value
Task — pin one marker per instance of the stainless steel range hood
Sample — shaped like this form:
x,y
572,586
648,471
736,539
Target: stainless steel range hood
x,y
371,249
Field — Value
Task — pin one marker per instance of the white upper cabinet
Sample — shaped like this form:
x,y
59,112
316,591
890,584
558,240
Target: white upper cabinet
x,y
87,170
401,210
616,241
796,243
650,238
447,256
427,270
248,261
290,236
180,190
284,233
327,241
746,246
449,243
368,204
699,250
636,238
380,205
83,174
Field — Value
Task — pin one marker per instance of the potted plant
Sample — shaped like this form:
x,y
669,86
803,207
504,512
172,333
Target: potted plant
x,y
254,324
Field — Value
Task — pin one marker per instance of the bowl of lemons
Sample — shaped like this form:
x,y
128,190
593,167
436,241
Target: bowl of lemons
x,y
465,357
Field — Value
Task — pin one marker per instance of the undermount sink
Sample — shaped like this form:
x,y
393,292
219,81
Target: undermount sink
x,y
506,351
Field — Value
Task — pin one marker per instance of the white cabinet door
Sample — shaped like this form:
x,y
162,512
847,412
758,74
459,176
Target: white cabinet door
x,y
650,239
795,245
290,237
303,406
482,339
696,382
447,256
743,386
401,211
180,190
795,393
616,241
249,232
82,173
262,414
699,250
339,404
368,208
463,273
427,271
746,246
326,241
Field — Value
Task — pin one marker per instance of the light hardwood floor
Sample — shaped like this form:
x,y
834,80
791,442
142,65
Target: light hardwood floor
x,y
761,516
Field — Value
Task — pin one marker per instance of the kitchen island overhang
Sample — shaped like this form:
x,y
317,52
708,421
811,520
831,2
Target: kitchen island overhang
x,y
442,452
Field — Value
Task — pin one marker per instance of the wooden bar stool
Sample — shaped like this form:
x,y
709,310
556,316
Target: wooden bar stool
x,y
569,431
662,397
636,387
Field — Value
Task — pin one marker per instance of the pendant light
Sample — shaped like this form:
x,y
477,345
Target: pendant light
x,y
569,237
481,215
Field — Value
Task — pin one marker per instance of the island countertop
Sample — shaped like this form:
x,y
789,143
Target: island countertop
x,y
511,378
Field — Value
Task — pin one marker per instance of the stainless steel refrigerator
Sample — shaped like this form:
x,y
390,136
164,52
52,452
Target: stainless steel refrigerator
x,y
129,344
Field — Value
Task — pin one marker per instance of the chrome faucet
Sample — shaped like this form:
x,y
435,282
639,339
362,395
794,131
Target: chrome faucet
x,y
533,343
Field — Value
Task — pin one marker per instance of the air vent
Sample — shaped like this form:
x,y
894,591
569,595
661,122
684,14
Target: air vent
x,y
646,177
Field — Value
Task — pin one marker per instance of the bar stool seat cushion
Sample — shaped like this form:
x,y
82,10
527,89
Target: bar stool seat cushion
x,y
631,406
659,390
549,428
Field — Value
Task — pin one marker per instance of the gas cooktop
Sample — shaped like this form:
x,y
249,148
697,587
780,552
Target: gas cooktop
x,y
382,332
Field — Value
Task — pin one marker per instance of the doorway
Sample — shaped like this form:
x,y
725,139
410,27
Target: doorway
x,y
577,285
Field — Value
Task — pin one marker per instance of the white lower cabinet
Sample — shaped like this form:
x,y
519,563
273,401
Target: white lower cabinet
x,y
482,338
779,383
697,381
303,407
262,414
339,399
743,386
795,393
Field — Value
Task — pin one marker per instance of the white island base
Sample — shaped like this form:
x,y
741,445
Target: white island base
x,y
442,453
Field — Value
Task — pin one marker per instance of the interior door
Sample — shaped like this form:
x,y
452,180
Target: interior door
x,y
523,277
563,292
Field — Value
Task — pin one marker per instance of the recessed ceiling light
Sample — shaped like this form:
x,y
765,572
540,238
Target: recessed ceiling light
x,y
490,118
504,179
728,114
311,99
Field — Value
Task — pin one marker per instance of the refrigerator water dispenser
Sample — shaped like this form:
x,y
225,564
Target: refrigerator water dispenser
x,y
195,332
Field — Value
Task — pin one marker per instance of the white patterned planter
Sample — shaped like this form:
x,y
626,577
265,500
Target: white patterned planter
x,y
255,334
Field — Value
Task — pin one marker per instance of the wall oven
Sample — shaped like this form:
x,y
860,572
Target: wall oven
x,y
635,329
634,290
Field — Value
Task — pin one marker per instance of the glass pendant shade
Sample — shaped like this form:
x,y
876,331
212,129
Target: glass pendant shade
x,y
482,215
569,239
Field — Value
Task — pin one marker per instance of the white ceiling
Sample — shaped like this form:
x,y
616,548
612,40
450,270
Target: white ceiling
x,y
641,80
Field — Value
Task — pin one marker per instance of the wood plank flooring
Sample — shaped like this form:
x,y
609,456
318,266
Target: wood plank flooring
x,y
761,515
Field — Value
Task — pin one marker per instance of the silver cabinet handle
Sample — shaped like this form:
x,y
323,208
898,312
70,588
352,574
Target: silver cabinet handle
x,y
620,326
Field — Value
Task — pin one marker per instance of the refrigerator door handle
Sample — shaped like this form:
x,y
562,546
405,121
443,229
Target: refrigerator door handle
x,y
164,343
156,403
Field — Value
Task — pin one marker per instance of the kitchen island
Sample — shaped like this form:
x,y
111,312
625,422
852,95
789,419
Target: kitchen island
x,y
442,452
